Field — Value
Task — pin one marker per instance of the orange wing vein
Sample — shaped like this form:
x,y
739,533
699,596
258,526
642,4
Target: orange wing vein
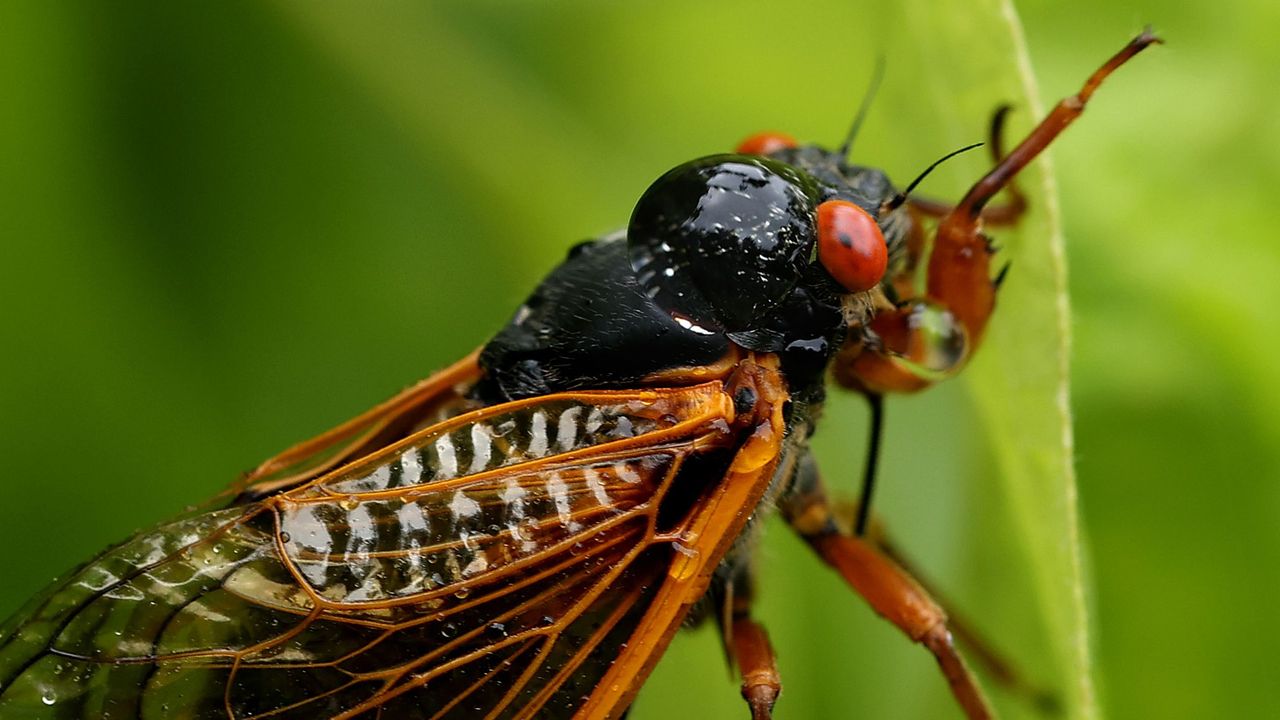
x,y
497,564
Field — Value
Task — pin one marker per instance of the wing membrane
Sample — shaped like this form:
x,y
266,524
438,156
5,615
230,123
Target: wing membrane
x,y
491,565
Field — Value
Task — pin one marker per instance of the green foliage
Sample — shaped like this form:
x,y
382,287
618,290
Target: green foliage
x,y
223,231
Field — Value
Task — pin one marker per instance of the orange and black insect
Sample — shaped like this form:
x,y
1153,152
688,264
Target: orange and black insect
x,y
521,534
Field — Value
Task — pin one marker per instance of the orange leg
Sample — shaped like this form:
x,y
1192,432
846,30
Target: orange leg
x,y
928,339
999,668
897,597
754,658
747,644
891,592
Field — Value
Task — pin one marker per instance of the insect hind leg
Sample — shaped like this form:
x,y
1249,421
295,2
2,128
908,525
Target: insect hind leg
x,y
891,591
984,654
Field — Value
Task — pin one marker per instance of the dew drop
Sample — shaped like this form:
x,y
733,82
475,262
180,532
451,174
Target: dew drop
x,y
686,565
684,550
48,699
462,593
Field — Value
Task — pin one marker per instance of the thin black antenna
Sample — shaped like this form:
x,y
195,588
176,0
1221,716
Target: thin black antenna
x,y
901,197
877,74
873,457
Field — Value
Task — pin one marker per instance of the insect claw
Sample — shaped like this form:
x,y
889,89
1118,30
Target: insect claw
x,y
1000,276
990,243
996,135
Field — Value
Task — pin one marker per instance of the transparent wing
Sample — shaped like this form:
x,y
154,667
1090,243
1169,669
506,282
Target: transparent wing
x,y
492,565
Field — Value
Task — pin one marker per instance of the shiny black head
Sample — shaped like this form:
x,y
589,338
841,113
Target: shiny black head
x,y
725,241
720,241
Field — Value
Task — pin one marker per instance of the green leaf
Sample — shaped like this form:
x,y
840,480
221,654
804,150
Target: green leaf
x,y
1014,561
1021,388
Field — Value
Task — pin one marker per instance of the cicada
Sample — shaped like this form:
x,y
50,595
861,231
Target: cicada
x,y
521,534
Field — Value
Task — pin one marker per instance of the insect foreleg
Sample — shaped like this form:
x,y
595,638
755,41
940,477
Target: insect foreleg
x,y
992,215
929,338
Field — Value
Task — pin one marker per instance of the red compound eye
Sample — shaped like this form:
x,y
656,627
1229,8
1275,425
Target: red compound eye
x,y
850,245
766,143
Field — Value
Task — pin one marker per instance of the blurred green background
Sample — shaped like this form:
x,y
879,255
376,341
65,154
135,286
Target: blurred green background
x,y
225,227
